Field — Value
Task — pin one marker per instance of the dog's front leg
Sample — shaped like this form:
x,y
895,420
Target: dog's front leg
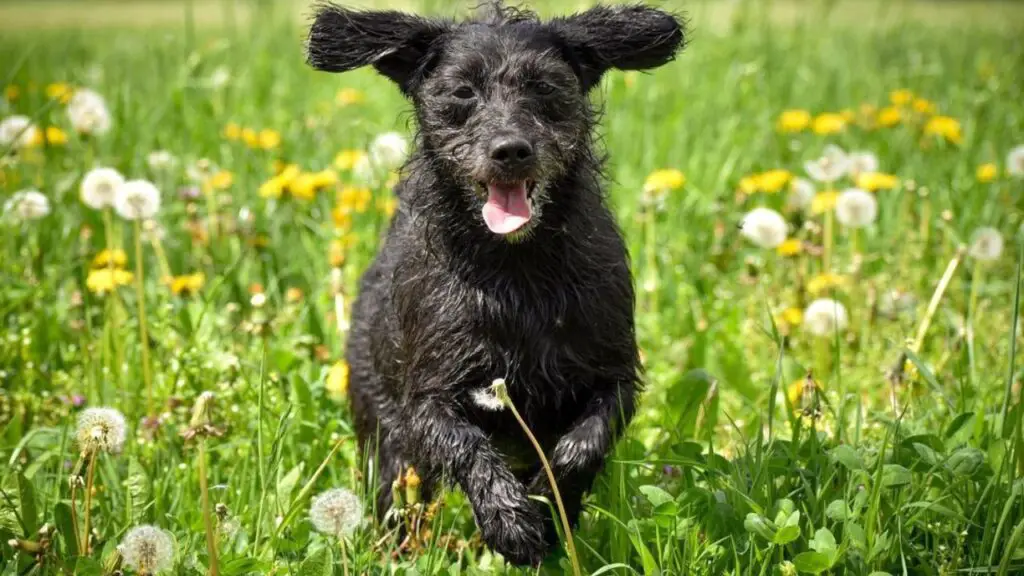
x,y
438,438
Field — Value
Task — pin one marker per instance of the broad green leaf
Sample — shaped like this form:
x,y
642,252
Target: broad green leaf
x,y
837,510
27,496
66,528
894,475
757,524
847,456
958,424
823,541
316,564
656,495
812,562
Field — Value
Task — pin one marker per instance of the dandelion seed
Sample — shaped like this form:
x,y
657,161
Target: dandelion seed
x,y
388,151
337,512
486,398
801,194
99,187
147,549
137,200
862,161
27,205
158,160
793,121
856,208
986,244
88,112
1015,161
831,166
18,132
764,227
101,430
825,317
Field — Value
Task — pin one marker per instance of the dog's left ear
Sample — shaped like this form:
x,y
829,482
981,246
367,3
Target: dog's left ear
x,y
623,37
398,45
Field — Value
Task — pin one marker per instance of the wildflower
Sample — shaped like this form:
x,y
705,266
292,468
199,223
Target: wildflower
x,y
137,200
856,208
364,170
347,159
827,281
790,247
388,150
147,549
901,97
349,96
250,137
336,383
88,113
160,160
825,317
337,512
944,127
18,132
293,295
764,227
801,194
828,123
986,173
874,181
232,131
110,259
659,183
354,198
201,170
99,187
862,161
60,91
336,253
221,180
101,430
486,398
1015,161
187,283
219,78
268,139
387,206
792,316
986,244
794,120
769,182
104,280
27,205
824,202
889,117
55,136
831,166
923,106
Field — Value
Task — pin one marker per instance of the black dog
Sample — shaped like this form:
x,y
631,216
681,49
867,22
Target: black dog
x,y
502,261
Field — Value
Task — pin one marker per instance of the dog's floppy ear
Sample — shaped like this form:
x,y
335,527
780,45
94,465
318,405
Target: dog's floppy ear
x,y
631,37
398,45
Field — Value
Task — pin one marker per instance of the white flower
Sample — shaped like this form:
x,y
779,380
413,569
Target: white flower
x,y
161,160
856,208
1015,161
201,170
825,317
986,244
486,398
137,200
801,194
862,161
99,187
219,78
17,131
764,227
388,151
832,165
27,205
147,549
363,170
101,430
88,112
337,512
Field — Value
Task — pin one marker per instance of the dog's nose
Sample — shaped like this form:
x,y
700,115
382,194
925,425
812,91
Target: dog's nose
x,y
511,151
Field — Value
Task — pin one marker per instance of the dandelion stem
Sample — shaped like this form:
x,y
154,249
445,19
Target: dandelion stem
x,y
114,304
933,305
89,476
973,316
306,489
826,252
161,256
147,378
211,538
344,556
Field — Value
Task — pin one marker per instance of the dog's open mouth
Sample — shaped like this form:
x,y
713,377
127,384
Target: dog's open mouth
x,y
508,207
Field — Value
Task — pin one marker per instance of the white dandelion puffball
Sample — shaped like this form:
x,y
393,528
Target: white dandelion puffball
x,y
986,244
101,430
27,205
219,78
147,549
486,398
1015,161
862,161
88,112
801,194
825,317
388,150
336,512
856,208
833,165
764,227
161,160
17,131
99,187
137,200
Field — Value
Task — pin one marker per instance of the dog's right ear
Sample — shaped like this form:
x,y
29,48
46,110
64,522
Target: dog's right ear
x,y
398,45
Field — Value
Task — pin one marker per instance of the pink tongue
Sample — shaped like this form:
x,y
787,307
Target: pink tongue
x,y
507,209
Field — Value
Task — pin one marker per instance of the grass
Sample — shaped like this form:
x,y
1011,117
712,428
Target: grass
x,y
898,454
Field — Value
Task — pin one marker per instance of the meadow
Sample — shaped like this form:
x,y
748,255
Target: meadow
x,y
823,203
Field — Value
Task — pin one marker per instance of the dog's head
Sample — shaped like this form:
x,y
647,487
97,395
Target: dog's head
x,y
502,99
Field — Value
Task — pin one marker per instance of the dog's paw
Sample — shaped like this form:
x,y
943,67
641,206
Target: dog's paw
x,y
517,532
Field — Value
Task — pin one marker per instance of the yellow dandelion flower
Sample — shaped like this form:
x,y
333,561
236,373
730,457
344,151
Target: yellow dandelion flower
x,y
250,138
273,188
790,247
749,184
889,117
874,181
793,316
35,139
232,131
349,96
336,253
302,187
923,106
105,258
221,180
104,280
901,97
354,198
823,282
987,173
55,136
945,127
848,115
336,384
775,180
293,295
269,139
347,159
793,120
824,201
667,179
12,92
60,91
342,218
388,206
866,114
797,393
187,283
828,123
324,179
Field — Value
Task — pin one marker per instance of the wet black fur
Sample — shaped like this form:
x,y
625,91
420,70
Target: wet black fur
x,y
448,306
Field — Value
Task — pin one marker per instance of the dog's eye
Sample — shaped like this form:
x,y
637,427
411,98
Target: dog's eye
x,y
464,92
543,88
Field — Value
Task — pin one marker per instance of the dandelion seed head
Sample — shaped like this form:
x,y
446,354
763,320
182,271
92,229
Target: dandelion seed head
x,y
388,150
99,187
161,160
147,549
88,112
101,430
824,317
862,161
137,200
27,205
18,131
486,398
1015,161
764,227
336,512
801,194
986,244
856,208
831,166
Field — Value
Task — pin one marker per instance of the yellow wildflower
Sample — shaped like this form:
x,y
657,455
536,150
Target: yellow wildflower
x,y
232,131
349,96
269,139
799,391
11,92
828,123
889,117
774,180
792,316
823,282
107,257
790,247
874,181
945,127
302,187
347,159
36,138
60,91
342,218
221,180
667,179
293,295
55,136
354,198
749,184
324,178
824,201
847,115
388,206
276,186
336,253
794,120
104,280
987,173
866,115
923,106
187,284
336,384
250,138
901,97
